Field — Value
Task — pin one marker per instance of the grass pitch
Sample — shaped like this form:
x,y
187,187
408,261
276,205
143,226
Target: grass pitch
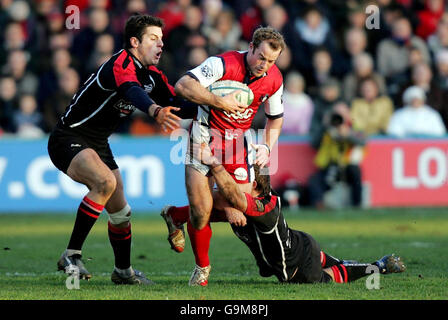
x,y
30,245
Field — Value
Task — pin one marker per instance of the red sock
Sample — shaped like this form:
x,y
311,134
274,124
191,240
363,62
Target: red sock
x,y
200,243
180,215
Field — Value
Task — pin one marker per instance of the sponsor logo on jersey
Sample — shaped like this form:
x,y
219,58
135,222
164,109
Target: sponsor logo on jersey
x,y
124,107
247,114
230,135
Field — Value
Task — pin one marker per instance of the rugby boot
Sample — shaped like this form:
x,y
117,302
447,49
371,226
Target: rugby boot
x,y
134,277
200,276
73,265
390,264
176,235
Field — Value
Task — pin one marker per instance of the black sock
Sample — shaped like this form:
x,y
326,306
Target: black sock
x,y
328,261
350,272
87,215
120,239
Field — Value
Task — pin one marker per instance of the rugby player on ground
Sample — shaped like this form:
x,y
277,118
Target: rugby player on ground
x,y
292,256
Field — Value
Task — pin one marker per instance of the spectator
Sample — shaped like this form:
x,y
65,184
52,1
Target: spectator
x,y
46,11
329,95
104,49
253,17
393,54
422,77
355,43
173,14
8,95
188,34
55,105
356,17
210,10
84,41
362,68
415,118
323,69
371,112
439,39
429,18
277,17
27,119
48,82
60,40
284,61
312,31
296,8
441,64
298,106
13,39
16,66
132,7
337,158
225,33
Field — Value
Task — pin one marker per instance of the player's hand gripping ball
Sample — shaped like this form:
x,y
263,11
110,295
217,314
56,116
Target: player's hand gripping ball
x,y
225,87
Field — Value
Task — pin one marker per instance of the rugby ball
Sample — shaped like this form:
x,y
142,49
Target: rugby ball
x,y
225,87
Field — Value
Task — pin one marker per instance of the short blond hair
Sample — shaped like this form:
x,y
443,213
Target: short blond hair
x,y
269,34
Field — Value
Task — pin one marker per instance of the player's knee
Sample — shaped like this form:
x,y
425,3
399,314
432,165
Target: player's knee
x,y
198,222
106,185
199,217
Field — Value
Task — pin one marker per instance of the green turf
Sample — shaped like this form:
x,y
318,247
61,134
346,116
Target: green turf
x,y
30,245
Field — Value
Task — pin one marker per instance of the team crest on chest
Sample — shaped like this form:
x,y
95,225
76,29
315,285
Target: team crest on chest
x,y
148,88
260,205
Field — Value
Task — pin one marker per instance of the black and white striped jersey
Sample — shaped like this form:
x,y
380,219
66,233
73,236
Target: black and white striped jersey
x,y
276,248
99,106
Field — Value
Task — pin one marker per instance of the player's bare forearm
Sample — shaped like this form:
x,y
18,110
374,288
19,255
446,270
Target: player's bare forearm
x,y
229,188
273,129
192,90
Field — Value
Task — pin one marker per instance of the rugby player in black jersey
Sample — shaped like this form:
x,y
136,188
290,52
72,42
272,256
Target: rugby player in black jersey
x,y
292,256
78,145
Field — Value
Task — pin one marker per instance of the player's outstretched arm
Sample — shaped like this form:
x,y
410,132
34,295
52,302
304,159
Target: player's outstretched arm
x,y
191,89
140,99
272,131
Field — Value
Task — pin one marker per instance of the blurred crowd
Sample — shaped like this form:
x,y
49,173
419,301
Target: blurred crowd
x,y
345,80
332,58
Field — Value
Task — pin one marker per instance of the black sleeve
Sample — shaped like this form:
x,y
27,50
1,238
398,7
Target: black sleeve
x,y
136,95
164,95
188,109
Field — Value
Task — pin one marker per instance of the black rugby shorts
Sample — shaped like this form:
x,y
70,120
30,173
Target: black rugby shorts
x,y
64,145
310,269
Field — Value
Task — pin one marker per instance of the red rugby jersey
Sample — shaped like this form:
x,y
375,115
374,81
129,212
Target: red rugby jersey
x,y
232,65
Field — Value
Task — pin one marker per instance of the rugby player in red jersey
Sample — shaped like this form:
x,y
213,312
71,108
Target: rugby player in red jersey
x,y
225,132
